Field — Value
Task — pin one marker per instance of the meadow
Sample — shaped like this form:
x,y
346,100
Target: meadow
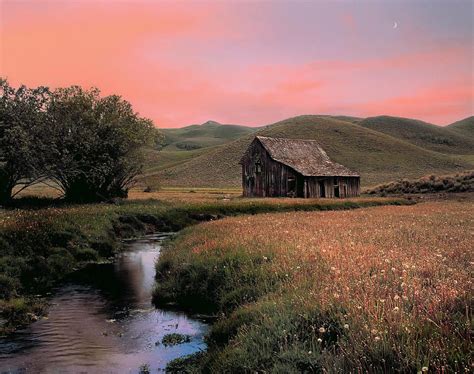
x,y
380,289
42,240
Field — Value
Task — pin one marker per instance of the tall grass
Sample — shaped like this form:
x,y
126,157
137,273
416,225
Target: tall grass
x,y
380,289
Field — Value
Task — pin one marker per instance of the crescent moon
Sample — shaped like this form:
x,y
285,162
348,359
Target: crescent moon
x,y
395,25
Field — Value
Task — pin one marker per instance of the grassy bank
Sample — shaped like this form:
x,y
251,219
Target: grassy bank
x,y
383,289
38,247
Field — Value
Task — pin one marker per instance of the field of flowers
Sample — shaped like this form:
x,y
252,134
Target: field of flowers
x,y
377,289
42,240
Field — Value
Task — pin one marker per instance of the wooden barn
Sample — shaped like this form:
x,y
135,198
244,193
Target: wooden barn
x,y
273,167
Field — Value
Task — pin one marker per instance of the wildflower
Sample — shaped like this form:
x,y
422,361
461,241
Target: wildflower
x,y
309,352
320,340
322,330
424,369
346,326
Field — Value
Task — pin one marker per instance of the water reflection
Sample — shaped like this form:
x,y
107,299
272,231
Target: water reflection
x,y
102,321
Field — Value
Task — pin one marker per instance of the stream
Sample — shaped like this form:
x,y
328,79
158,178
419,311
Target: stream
x,y
101,320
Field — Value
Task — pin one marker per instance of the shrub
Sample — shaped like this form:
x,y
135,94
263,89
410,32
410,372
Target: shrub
x,y
190,364
105,247
174,339
8,286
61,262
86,254
463,182
62,238
5,247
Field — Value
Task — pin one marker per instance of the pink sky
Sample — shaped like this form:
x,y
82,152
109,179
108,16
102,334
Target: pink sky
x,y
246,62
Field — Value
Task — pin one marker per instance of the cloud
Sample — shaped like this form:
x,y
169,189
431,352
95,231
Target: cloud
x,y
452,102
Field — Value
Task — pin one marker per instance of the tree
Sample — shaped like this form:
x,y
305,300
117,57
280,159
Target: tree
x,y
94,144
22,114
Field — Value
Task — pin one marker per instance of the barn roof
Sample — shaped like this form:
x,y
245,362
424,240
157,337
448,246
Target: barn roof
x,y
304,156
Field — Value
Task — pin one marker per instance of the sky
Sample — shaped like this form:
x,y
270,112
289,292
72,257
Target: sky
x,y
250,62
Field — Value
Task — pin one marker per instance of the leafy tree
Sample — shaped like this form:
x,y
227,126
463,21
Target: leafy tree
x,y
22,116
94,144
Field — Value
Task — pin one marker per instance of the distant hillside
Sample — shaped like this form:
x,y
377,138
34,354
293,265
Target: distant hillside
x,y
156,161
343,118
422,134
464,126
379,157
208,134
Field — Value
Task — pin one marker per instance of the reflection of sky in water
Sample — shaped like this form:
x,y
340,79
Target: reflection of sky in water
x,y
103,321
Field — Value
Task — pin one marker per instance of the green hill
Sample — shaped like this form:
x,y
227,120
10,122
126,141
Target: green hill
x,y
164,159
464,126
379,157
422,134
208,134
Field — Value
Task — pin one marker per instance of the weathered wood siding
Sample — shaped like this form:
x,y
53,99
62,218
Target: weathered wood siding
x,y
264,177
348,186
272,178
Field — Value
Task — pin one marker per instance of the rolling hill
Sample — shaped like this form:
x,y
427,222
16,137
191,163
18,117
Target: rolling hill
x,y
422,134
208,134
464,126
377,155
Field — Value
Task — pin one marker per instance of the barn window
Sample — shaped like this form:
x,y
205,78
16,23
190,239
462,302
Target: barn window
x,y
258,167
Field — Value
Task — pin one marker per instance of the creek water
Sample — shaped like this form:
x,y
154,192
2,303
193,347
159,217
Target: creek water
x,y
101,320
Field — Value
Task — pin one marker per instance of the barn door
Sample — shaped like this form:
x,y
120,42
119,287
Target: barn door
x,y
322,189
299,186
291,186
336,188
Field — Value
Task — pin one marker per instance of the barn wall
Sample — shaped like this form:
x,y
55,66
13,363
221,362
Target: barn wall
x,y
348,186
